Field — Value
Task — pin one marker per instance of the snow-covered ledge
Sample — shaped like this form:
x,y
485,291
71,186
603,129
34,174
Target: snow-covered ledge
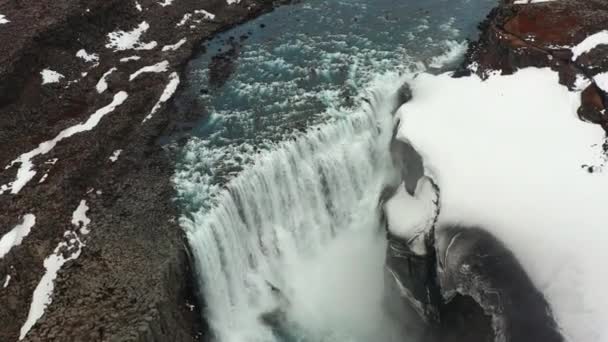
x,y
511,156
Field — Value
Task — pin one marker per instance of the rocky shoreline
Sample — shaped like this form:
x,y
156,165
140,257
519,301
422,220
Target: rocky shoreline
x,y
85,93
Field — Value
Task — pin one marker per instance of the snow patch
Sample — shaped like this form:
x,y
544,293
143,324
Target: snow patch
x,y
165,3
16,235
128,59
130,40
156,68
114,157
507,155
3,19
25,173
175,46
138,6
50,76
6,281
102,85
589,44
87,57
166,95
206,15
80,219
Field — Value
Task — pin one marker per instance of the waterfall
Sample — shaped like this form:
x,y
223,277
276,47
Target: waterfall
x,y
298,232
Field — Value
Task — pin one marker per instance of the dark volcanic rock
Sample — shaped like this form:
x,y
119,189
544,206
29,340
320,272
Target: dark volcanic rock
x,y
131,281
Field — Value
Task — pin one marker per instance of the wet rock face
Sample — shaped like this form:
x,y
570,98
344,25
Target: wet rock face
x,y
473,263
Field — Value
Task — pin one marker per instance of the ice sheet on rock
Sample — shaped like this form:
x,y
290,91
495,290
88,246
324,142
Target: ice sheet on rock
x,y
130,40
80,219
156,68
102,85
16,235
589,44
3,19
166,95
409,217
25,173
174,46
50,76
507,154
87,57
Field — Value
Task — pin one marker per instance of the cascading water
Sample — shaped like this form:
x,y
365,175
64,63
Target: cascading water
x,y
302,220
280,185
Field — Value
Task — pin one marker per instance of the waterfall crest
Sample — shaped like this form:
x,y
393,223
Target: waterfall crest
x,y
277,236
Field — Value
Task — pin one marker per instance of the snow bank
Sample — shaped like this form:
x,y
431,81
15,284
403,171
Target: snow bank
x,y
156,68
510,154
25,173
589,44
50,76
16,235
410,217
130,40
165,96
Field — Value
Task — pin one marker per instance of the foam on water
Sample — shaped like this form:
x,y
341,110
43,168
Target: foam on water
x,y
280,183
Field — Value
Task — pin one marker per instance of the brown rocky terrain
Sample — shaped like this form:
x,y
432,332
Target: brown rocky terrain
x,y
130,278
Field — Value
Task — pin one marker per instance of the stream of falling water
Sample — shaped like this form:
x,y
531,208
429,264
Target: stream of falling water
x,y
279,185
304,220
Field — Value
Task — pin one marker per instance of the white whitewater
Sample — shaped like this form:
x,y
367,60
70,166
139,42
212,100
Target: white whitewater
x,y
304,219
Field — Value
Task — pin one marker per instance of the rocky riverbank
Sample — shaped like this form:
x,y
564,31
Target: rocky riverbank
x,y
85,93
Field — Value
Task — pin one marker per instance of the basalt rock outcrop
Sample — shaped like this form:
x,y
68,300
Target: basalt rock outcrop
x,y
131,281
